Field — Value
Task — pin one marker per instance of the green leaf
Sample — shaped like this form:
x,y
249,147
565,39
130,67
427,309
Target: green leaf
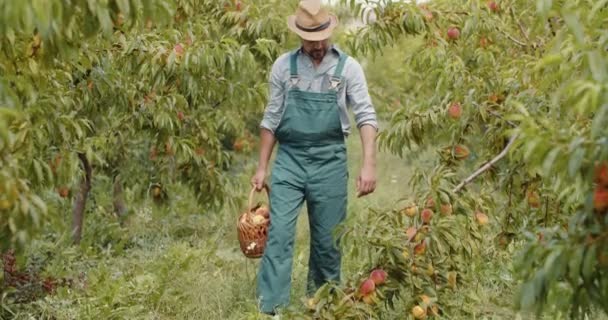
x,y
576,160
597,66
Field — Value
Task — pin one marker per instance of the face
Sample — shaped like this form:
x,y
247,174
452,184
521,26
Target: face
x,y
316,49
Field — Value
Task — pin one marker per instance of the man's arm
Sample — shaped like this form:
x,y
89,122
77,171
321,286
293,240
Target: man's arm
x,y
272,117
358,98
367,178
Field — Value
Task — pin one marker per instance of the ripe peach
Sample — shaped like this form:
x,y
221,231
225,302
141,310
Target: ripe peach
x,y
378,276
370,298
420,248
411,233
600,199
601,175
453,33
446,209
263,211
63,192
430,202
455,110
493,6
426,215
368,286
418,312
461,152
482,218
533,199
179,49
411,211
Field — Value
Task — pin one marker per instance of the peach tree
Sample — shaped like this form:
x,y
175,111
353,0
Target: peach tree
x,y
511,99
144,93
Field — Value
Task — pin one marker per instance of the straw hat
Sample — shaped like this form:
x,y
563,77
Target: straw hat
x,y
312,21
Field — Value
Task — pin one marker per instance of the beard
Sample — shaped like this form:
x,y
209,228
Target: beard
x,y
318,54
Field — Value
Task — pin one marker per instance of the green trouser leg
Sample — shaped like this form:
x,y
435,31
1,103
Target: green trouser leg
x,y
286,198
319,175
326,200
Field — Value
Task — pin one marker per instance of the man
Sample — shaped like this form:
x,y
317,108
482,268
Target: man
x,y
310,89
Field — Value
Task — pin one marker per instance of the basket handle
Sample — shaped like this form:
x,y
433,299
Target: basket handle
x,y
252,193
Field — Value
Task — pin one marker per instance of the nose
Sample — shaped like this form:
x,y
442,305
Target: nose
x,y
317,45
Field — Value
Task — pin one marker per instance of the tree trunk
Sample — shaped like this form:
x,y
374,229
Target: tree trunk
x,y
120,209
80,200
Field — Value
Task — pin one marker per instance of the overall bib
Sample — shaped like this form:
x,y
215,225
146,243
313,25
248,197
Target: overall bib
x,y
310,166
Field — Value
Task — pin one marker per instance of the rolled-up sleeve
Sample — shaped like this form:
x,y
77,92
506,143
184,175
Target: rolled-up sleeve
x,y
274,108
357,96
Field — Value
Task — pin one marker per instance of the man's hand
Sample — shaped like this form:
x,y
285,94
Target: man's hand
x,y
267,143
258,179
366,182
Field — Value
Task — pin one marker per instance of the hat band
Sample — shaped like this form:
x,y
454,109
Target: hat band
x,y
315,29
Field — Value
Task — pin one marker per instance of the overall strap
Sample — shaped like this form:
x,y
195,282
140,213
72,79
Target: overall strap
x,y
293,68
336,79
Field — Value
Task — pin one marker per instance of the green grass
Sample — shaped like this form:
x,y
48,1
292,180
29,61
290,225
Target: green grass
x,y
178,262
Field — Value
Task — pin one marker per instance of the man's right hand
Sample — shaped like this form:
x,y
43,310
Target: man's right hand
x,y
258,179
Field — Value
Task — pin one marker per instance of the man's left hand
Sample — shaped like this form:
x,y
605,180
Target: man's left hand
x,y
366,182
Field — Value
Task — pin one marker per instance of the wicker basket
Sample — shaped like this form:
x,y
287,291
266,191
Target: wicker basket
x,y
253,234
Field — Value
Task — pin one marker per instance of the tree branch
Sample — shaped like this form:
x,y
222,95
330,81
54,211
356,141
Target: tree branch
x,y
513,39
81,198
487,166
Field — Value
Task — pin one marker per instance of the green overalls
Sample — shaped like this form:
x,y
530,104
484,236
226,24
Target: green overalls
x,y
310,165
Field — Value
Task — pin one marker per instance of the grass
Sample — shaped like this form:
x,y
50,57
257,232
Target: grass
x,y
181,263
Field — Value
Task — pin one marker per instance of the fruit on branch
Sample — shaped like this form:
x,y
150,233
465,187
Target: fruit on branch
x,y
63,191
430,270
311,303
239,5
482,218
370,298
425,299
368,286
461,152
533,199
430,202
600,199
601,174
484,42
180,115
405,254
200,151
447,209
4,204
418,312
453,33
378,276
493,6
426,215
411,233
428,16
452,276
179,50
411,211
156,191
420,248
239,144
455,110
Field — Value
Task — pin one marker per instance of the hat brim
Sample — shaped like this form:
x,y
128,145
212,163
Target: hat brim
x,y
313,36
